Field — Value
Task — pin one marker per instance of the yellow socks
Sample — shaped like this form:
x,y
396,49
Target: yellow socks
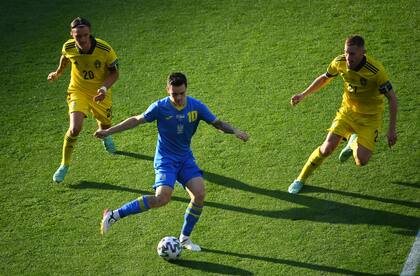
x,y
68,146
314,161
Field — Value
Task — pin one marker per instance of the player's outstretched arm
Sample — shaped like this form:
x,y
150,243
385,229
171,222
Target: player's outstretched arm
x,y
393,107
316,85
109,81
124,125
227,128
61,66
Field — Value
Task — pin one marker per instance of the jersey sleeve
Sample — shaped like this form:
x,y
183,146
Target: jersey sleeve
x,y
63,51
151,113
332,70
205,114
383,81
66,46
112,60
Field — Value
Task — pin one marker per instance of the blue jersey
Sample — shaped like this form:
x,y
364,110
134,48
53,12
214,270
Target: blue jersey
x,y
176,126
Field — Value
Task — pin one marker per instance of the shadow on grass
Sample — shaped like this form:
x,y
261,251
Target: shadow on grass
x,y
235,184
321,268
414,184
315,209
134,155
314,189
211,267
319,210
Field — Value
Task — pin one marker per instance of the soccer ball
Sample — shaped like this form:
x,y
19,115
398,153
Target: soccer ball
x,y
169,248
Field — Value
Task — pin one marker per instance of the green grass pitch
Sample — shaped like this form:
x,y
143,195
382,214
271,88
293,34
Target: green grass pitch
x,y
244,59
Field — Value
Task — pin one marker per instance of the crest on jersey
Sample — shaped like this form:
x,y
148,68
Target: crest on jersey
x,y
97,64
363,81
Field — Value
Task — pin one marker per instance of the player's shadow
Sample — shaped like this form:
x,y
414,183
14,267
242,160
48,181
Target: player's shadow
x,y
315,209
314,189
414,184
309,266
134,155
211,267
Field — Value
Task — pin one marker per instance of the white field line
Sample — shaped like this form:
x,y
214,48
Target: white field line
x,y
413,259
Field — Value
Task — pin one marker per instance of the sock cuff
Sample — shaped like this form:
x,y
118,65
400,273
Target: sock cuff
x,y
143,203
69,138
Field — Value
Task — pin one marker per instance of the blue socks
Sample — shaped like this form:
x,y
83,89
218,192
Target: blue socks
x,y
192,214
134,207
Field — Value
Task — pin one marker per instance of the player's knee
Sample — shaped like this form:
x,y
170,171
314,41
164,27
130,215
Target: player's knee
x,y
361,162
326,150
362,158
74,131
162,200
199,197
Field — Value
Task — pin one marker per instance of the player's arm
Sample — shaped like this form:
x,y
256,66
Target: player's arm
x,y
315,86
393,107
61,66
227,128
128,123
109,81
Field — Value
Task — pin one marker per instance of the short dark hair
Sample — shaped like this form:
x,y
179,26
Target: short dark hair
x,y
355,40
79,22
177,79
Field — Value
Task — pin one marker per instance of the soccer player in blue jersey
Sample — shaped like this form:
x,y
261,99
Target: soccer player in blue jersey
x,y
177,117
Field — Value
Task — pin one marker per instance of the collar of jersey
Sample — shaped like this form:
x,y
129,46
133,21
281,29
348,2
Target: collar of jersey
x,y
92,47
361,64
179,108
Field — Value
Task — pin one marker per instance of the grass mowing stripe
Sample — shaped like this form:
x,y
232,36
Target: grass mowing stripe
x,y
413,259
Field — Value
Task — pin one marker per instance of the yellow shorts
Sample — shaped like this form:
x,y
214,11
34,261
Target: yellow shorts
x,y
366,127
101,111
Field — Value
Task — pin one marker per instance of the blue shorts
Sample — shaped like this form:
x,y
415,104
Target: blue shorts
x,y
168,172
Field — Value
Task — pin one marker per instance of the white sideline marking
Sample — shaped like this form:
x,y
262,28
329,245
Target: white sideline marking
x,y
413,259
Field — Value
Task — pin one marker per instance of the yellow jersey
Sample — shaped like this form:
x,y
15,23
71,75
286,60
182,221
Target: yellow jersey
x,y
364,86
89,70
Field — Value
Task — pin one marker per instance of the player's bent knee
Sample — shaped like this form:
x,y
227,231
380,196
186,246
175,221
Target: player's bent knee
x,y
199,197
361,163
162,200
74,132
326,150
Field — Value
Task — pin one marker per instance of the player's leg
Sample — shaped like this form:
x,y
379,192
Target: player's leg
x,y
70,139
164,185
191,177
139,205
107,141
102,112
314,161
361,155
347,151
195,188
362,142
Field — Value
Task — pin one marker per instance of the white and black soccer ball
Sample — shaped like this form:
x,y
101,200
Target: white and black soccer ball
x,y
169,248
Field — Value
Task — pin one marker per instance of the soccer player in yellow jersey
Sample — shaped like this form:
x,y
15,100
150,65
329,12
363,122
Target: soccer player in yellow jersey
x,y
359,118
94,69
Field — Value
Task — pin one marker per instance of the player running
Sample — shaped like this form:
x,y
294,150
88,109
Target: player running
x,y
177,116
94,69
359,118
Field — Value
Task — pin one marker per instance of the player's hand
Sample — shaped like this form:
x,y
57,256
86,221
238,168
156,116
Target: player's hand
x,y
100,96
392,137
101,133
53,76
242,135
296,99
